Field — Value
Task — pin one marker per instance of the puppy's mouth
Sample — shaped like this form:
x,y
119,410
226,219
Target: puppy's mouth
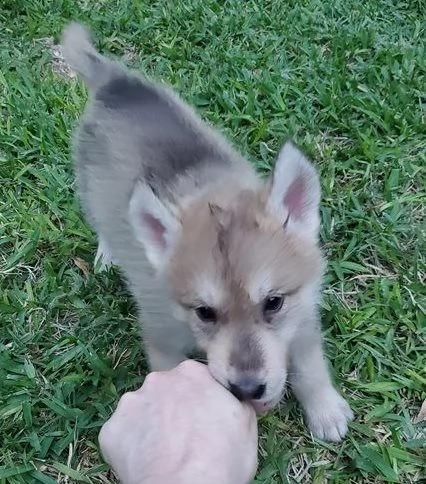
x,y
261,407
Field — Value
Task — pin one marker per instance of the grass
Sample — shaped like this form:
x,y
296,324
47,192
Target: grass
x,y
346,81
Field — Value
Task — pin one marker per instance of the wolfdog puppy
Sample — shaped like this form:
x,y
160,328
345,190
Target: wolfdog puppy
x,y
216,258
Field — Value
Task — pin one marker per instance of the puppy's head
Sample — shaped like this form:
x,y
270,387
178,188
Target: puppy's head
x,y
245,271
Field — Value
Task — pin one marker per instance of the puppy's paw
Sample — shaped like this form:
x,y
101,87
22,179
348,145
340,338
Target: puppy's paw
x,y
103,258
328,415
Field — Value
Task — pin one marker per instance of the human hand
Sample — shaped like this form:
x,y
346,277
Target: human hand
x,y
181,427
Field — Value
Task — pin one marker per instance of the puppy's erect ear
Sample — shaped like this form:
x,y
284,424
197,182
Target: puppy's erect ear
x,y
154,224
295,192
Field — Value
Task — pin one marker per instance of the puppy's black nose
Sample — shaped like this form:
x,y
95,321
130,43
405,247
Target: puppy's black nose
x,y
247,389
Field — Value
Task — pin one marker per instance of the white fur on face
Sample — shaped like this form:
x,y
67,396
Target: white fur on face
x,y
260,285
210,291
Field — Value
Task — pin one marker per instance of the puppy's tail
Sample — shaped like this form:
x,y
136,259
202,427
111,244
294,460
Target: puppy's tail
x,y
84,59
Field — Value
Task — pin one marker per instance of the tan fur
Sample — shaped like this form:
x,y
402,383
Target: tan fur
x,y
255,244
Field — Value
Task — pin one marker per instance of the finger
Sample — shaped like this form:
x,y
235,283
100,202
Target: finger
x,y
250,412
106,440
128,401
129,405
252,441
153,379
192,368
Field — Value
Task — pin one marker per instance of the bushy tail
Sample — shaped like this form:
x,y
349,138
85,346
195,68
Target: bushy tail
x,y
83,58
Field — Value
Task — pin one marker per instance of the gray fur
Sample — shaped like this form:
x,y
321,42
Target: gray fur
x,y
136,131
82,57
167,145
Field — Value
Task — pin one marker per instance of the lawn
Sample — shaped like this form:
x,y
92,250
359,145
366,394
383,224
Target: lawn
x,y
346,81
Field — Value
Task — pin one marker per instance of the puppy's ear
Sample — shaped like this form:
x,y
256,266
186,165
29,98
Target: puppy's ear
x,y
295,192
154,224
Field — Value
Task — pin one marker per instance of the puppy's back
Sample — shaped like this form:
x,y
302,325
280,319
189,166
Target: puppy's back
x,y
144,128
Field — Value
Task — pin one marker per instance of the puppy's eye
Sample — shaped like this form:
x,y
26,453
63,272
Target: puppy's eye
x,y
206,314
273,304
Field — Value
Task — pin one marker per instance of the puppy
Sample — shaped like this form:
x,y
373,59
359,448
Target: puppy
x,y
216,258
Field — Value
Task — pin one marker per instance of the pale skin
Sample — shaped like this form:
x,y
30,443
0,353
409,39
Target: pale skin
x,y
181,427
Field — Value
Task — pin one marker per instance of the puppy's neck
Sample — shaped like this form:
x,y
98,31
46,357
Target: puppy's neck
x,y
215,185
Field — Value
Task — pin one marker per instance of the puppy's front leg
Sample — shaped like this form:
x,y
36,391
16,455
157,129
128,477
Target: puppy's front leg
x,y
167,340
163,359
326,411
